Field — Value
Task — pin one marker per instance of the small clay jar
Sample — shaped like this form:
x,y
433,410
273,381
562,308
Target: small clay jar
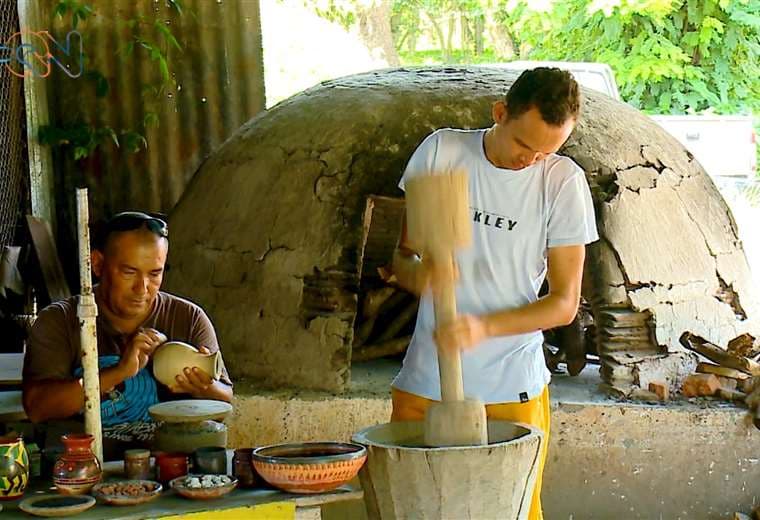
x,y
210,460
137,464
170,466
242,468
77,470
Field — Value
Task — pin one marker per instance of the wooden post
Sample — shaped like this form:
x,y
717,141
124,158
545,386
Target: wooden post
x,y
87,311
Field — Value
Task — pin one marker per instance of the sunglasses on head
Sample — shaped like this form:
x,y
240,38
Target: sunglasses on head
x,y
131,220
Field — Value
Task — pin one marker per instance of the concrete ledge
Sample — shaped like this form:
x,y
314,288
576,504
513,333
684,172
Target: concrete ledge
x,y
607,459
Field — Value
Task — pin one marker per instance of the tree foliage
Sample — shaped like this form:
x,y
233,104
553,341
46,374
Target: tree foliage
x,y
669,56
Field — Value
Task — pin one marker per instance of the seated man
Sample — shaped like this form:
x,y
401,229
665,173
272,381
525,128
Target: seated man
x,y
134,318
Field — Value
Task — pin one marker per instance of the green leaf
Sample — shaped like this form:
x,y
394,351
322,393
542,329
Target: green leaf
x,y
60,9
176,5
150,120
80,152
164,68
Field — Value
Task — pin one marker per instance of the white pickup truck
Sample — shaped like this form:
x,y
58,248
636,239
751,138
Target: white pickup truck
x,y
725,146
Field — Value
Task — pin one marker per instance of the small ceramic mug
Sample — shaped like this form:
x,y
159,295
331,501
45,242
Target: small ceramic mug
x,y
212,459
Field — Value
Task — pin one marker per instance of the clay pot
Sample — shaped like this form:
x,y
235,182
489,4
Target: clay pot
x,y
242,468
171,466
171,358
78,470
14,468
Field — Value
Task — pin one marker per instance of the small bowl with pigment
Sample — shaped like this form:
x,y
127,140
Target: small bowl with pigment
x,y
309,467
203,487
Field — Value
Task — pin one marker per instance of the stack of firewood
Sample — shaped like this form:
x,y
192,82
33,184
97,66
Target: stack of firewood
x,y
732,374
384,323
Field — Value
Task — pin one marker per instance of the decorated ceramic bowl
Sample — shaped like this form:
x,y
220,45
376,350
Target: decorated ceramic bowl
x,y
310,467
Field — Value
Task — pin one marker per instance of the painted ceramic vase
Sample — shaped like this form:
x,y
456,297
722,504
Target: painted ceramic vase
x,y
78,470
171,358
14,468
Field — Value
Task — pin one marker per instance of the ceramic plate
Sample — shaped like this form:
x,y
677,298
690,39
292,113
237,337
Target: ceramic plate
x,y
107,496
56,505
190,410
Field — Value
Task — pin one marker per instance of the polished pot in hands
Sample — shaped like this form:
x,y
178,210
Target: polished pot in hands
x,y
171,358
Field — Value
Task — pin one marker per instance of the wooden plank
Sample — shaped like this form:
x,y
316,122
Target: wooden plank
x,y
709,368
11,366
47,254
382,224
41,182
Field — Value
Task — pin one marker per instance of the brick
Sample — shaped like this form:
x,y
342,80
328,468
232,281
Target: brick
x,y
661,389
700,385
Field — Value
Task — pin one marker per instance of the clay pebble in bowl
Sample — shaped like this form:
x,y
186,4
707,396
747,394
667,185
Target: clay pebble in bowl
x,y
203,487
127,492
310,467
56,505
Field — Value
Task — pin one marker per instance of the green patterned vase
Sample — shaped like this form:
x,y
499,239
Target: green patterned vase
x,y
14,468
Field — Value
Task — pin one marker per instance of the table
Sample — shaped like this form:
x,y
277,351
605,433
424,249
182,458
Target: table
x,y
251,504
10,368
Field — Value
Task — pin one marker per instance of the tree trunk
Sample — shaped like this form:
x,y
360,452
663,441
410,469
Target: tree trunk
x,y
450,35
439,36
504,45
375,29
480,25
467,43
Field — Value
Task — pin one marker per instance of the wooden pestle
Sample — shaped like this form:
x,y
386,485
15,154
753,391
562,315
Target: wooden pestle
x,y
438,223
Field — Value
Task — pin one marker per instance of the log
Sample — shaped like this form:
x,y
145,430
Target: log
x,y
731,395
744,345
379,350
364,331
374,299
718,355
753,398
401,320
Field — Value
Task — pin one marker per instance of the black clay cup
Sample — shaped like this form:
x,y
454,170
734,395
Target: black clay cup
x,y
210,460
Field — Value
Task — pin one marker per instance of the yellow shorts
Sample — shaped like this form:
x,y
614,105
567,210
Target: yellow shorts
x,y
536,412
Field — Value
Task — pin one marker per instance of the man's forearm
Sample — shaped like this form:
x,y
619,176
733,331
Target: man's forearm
x,y
45,400
547,313
220,391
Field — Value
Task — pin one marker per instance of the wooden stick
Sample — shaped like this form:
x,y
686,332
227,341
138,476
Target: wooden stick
x,y
717,355
87,311
379,350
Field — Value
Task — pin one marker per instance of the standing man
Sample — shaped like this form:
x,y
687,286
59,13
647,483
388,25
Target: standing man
x,y
532,215
134,318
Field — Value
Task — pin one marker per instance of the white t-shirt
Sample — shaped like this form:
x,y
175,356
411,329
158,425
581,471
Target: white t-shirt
x,y
516,216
